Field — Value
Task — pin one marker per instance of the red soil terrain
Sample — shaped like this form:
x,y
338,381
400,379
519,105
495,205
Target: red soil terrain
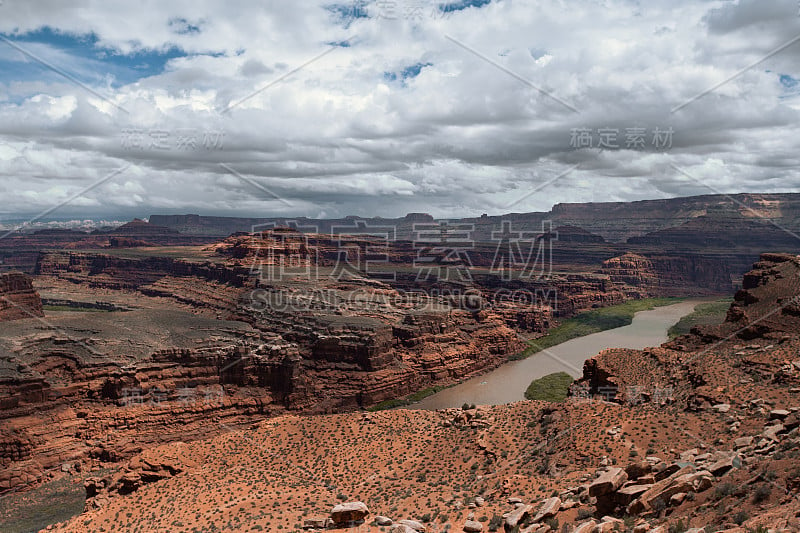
x,y
145,345
164,357
703,432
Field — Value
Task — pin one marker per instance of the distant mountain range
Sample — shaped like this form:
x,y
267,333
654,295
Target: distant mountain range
x,y
776,214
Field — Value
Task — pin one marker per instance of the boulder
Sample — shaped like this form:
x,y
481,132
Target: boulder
x,y
608,482
536,528
637,470
792,421
702,480
413,524
586,527
663,490
472,526
315,523
548,509
779,414
677,499
609,524
93,486
383,520
517,516
772,432
689,455
649,479
626,495
349,513
722,466
667,471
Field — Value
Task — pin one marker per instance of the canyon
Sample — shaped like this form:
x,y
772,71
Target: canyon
x,y
188,329
699,434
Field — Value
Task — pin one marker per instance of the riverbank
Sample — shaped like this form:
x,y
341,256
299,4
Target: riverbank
x,y
705,313
509,382
594,321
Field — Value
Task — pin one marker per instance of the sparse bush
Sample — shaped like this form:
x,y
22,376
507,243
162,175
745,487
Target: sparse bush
x,y
678,527
724,489
762,493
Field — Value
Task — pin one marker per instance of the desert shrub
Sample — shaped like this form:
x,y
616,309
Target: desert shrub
x,y
724,489
678,527
762,493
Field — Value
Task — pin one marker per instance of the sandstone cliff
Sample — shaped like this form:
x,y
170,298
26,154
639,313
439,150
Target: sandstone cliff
x,y
716,363
18,299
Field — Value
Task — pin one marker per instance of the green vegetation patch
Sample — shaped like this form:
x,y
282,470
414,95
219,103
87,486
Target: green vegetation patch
x,y
76,308
550,388
593,321
704,314
46,504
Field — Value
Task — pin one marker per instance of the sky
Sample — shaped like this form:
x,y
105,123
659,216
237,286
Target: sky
x,y
385,107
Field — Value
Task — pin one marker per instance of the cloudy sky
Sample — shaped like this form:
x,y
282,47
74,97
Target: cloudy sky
x,y
382,107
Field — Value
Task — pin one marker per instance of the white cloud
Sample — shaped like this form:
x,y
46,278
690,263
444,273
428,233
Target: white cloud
x,y
348,134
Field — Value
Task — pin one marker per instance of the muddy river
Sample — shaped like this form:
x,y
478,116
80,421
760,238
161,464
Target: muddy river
x,y
508,383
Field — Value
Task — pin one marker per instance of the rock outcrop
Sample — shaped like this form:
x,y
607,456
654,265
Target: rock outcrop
x,y
700,434
18,298
349,514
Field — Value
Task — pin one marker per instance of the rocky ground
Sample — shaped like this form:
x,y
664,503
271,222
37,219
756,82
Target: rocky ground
x,y
135,347
133,356
701,434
